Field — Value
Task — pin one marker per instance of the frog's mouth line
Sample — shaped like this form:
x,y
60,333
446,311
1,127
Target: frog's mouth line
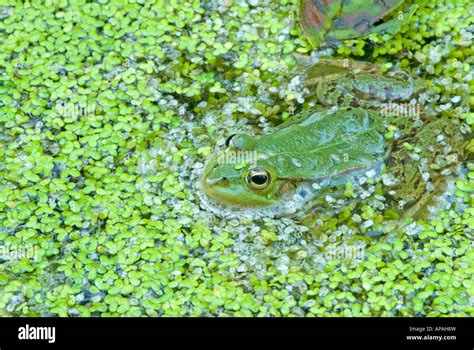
x,y
229,196
229,212
225,210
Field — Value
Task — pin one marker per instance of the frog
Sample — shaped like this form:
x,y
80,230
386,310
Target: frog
x,y
292,165
331,21
343,138
358,84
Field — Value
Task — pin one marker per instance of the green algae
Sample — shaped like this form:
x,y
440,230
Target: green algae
x,y
98,215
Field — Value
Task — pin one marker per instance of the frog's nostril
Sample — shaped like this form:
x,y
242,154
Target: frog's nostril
x,y
378,22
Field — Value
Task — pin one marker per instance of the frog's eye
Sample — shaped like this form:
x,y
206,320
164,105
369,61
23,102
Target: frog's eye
x,y
258,179
228,140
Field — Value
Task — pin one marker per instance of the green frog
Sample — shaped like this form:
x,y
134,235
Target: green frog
x,y
306,163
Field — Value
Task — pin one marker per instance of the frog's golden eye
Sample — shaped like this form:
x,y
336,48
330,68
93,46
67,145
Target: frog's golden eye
x,y
258,179
228,140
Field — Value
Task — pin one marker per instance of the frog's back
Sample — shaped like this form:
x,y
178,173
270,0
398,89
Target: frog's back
x,y
325,144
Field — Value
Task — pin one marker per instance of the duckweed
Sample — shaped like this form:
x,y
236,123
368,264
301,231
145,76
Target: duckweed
x,y
108,111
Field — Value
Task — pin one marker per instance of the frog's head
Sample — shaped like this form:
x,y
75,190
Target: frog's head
x,y
236,177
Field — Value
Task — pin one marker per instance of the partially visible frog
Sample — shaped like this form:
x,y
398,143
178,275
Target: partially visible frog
x,y
329,21
317,153
358,84
421,151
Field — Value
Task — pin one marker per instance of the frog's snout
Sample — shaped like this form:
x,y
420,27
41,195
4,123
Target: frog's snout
x,y
206,180
211,179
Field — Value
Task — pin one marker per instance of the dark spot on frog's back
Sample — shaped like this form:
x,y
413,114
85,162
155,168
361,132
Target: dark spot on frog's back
x,y
361,22
388,92
354,103
373,90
